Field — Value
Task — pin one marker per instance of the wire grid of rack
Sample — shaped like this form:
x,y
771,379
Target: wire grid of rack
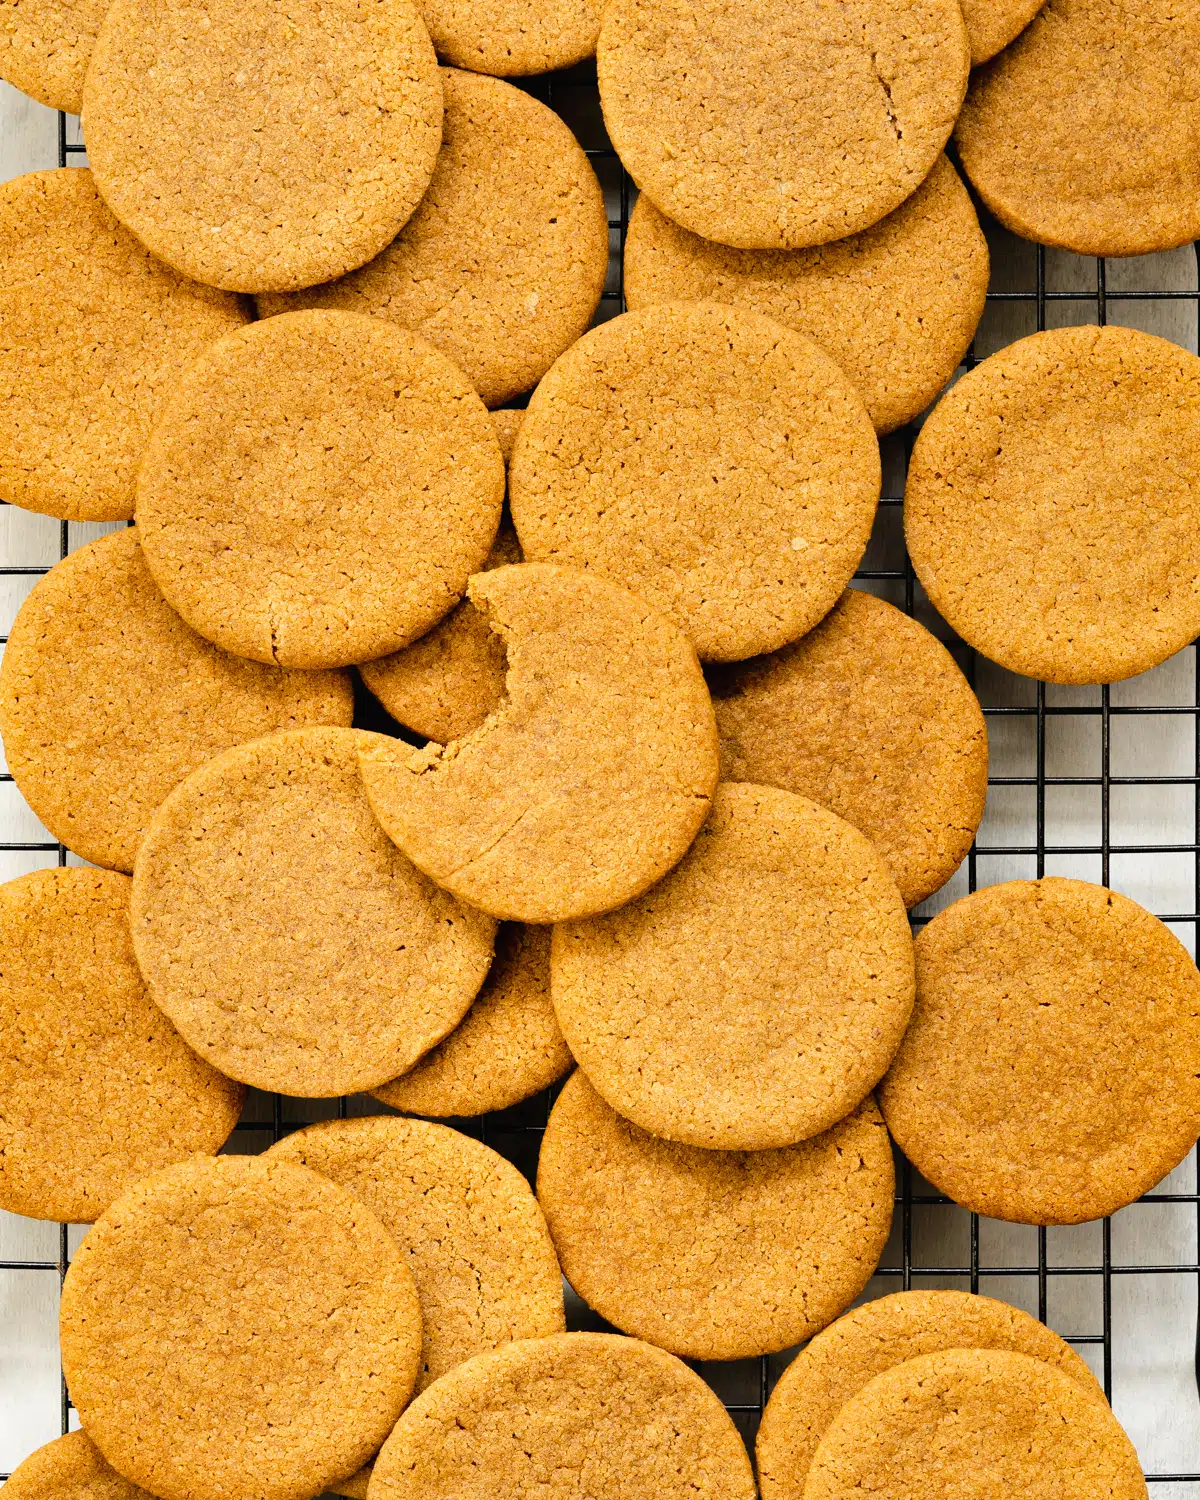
x,y
1022,718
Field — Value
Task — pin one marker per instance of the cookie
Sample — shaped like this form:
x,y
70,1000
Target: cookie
x,y
502,265
755,996
260,149
98,1087
992,24
710,460
108,700
290,942
590,780
974,1422
1082,134
789,125
69,1468
869,716
874,1338
45,46
505,1049
94,333
602,1415
896,306
446,684
713,1254
509,37
1052,509
1051,1073
507,423
237,1325
318,490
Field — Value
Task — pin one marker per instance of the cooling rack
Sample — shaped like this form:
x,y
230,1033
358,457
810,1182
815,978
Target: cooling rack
x,y
1100,783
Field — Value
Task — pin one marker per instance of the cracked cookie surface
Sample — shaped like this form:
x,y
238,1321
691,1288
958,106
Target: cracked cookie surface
x,y
70,1468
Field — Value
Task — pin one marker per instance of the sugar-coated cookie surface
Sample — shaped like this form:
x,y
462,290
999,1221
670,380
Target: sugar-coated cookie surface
x,y
713,1254
258,148
992,24
70,1468
45,46
754,996
508,37
239,1325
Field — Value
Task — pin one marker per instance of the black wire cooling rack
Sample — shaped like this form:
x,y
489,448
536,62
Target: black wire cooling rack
x,y
1025,716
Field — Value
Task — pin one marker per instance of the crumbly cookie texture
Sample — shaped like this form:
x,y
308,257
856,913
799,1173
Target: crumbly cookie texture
x,y
508,37
992,24
45,47
70,1468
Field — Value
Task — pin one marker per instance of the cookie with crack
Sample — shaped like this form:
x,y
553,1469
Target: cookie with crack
x,y
70,1468
508,37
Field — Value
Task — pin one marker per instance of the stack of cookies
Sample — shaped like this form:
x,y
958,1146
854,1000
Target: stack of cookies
x,y
421,745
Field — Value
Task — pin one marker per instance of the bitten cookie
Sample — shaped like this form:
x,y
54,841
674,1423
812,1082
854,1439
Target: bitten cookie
x,y
288,939
787,125
757,993
318,490
874,1338
1052,509
506,1048
589,781
1082,133
869,716
70,1468
259,148
1051,1073
992,24
895,306
108,700
236,1325
507,37
710,460
603,1415
45,46
94,333
713,1254
98,1086
503,263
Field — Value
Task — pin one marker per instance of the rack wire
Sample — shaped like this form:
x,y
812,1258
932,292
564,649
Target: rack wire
x,y
1029,712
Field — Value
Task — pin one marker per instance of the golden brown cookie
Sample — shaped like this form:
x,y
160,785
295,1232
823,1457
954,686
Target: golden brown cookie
x,y
1051,1073
70,1468
503,263
94,333
896,306
757,993
713,1254
992,24
45,46
318,490
259,148
507,423
237,1325
787,125
98,1086
108,700
291,943
710,460
869,716
506,1048
874,1338
1052,508
446,684
974,1423
588,782
602,1415
1082,133
508,37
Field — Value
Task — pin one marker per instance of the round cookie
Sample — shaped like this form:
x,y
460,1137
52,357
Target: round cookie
x,y
507,423
755,996
713,1254
974,1423
590,780
1051,1073
710,460
258,148
45,46
508,37
603,1415
108,700
869,716
290,942
1052,508
93,334
318,490
446,684
992,24
874,1338
502,265
70,1468
98,1087
789,125
1082,134
505,1049
896,306
238,1325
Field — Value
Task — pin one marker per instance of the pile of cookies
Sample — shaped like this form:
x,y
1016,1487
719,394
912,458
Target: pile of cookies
x,y
647,792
